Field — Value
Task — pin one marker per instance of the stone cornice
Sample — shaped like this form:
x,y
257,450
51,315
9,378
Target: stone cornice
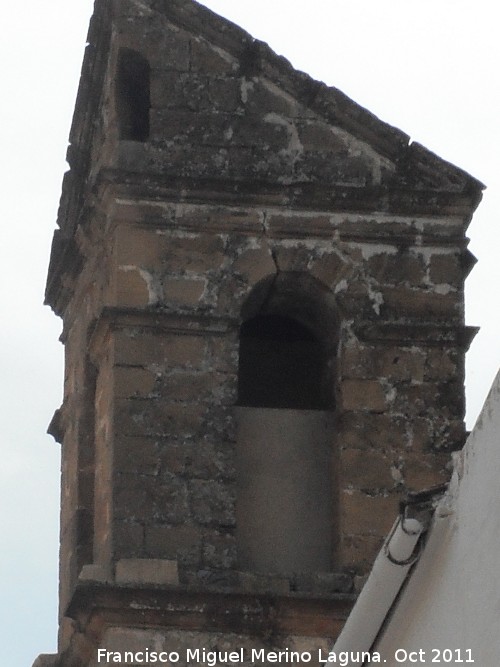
x,y
115,319
96,606
296,196
417,333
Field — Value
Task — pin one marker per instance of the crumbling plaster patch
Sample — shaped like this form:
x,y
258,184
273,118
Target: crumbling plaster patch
x,y
247,86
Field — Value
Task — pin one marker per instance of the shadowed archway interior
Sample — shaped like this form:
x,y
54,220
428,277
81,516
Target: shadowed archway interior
x,y
281,365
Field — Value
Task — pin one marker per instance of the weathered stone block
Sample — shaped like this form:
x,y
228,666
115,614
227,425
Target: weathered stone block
x,y
427,306
132,288
261,583
231,295
356,299
103,518
220,219
360,551
271,132
132,382
205,58
219,551
143,348
442,363
146,571
446,269
220,423
128,539
292,258
123,639
191,129
212,502
240,163
155,40
255,264
194,92
393,363
384,228
446,436
134,154
222,355
210,460
365,395
135,246
396,268
331,268
184,292
195,254
401,365
173,455
424,471
184,92
152,418
140,498
191,387
319,136
417,399
419,434
259,94
136,455
365,430
94,572
201,460
322,166
181,543
363,514
225,93
291,225
367,470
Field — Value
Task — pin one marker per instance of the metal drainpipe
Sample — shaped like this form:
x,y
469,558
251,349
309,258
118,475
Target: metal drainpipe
x,y
380,590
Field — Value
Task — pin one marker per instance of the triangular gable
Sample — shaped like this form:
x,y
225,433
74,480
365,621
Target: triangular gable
x,y
225,105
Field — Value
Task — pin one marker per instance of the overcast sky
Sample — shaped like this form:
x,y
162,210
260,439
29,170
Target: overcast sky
x,y
429,67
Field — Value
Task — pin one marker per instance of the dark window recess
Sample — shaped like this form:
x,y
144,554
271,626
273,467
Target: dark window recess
x,y
282,365
133,95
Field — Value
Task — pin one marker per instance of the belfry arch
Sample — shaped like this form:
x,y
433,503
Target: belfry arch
x,y
286,494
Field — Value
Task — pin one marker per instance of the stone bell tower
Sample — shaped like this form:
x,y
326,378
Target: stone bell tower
x,y
261,287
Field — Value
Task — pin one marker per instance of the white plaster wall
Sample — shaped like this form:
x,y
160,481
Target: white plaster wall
x,y
452,600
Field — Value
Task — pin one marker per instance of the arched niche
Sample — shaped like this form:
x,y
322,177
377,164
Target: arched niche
x,y
286,470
